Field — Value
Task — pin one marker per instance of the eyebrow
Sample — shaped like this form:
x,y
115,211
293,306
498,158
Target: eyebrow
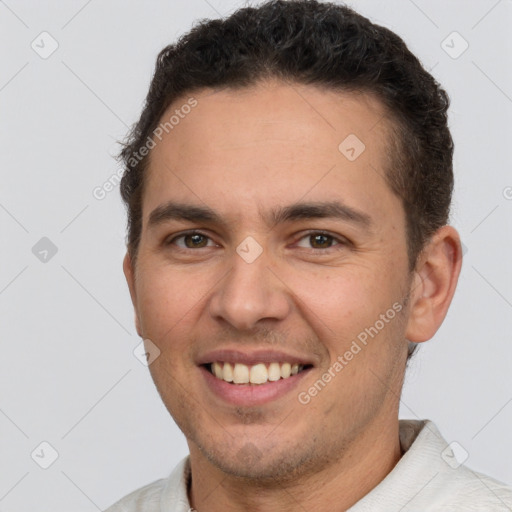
x,y
309,210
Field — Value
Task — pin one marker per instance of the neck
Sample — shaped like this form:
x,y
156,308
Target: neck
x,y
341,482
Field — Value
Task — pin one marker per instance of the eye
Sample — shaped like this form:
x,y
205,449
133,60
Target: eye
x,y
315,240
191,240
320,240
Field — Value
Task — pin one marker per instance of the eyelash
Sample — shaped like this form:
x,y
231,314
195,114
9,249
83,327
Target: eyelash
x,y
341,240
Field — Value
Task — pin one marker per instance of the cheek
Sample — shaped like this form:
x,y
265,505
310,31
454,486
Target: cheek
x,y
166,299
162,301
344,305
340,297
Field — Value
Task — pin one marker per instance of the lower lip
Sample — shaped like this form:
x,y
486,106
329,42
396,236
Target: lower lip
x,y
252,394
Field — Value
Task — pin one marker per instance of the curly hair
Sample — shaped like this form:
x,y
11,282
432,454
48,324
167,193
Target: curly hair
x,y
325,45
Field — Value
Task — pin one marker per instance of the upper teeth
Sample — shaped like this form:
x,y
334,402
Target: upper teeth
x,y
257,374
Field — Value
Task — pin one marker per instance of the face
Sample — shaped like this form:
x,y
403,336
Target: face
x,y
270,245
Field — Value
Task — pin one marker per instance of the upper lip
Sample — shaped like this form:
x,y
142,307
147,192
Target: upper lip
x,y
252,357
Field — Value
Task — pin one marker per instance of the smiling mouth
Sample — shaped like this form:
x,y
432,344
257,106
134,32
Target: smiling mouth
x,y
261,373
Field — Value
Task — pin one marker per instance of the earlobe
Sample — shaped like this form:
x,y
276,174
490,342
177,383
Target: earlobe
x,y
434,283
130,280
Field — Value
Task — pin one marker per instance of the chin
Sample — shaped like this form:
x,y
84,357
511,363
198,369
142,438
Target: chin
x,y
261,466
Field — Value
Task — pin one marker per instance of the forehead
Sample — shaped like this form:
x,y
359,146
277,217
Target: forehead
x,y
271,143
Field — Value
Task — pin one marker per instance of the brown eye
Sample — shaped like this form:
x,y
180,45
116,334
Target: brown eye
x,y
193,240
196,240
320,240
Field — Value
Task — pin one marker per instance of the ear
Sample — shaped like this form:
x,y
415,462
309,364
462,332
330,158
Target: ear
x,y
129,274
433,286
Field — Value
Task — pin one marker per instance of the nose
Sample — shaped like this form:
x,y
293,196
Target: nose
x,y
249,293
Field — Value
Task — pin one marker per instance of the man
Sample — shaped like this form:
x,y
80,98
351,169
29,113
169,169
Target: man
x,y
288,189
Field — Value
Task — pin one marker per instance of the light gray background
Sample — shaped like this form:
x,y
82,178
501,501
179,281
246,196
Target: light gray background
x,y
67,372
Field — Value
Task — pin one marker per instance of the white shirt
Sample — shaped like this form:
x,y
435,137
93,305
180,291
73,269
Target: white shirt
x,y
426,479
